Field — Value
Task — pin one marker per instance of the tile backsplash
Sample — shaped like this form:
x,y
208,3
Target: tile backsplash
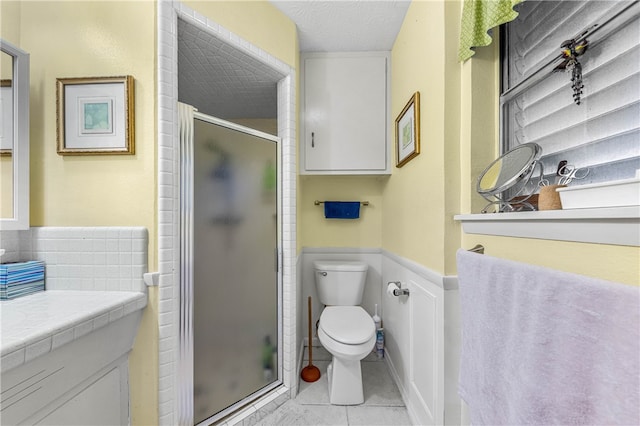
x,y
83,258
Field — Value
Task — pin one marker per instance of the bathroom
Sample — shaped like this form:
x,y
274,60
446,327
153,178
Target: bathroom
x,y
407,233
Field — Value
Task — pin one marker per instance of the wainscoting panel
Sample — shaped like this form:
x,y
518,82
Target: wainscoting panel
x,y
426,352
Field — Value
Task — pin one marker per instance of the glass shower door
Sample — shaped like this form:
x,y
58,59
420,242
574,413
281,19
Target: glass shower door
x,y
235,309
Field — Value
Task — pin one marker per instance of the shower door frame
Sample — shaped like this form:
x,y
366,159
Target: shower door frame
x,y
186,338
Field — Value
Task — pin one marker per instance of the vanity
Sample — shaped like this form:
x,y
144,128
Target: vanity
x,y
65,356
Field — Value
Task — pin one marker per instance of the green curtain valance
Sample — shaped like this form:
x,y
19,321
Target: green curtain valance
x,y
478,17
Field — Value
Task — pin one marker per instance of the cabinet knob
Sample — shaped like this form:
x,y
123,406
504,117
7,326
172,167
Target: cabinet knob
x,y
313,140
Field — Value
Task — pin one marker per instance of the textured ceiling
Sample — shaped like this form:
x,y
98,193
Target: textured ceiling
x,y
223,81
355,25
227,83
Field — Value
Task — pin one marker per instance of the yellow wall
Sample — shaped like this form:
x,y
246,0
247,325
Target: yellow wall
x,y
413,217
92,39
417,196
258,22
411,212
10,21
479,146
88,39
316,231
85,39
459,139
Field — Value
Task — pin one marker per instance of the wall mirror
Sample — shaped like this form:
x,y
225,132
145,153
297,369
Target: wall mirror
x,y
505,183
14,137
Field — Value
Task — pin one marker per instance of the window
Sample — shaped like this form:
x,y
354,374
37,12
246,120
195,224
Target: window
x,y
537,104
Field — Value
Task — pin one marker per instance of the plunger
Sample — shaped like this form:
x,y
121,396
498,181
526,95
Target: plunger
x,y
310,373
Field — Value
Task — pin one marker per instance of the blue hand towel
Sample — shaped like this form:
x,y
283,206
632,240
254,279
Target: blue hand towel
x,y
342,209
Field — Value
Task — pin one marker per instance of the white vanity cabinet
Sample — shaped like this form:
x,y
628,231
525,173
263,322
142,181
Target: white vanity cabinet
x,y
345,113
65,357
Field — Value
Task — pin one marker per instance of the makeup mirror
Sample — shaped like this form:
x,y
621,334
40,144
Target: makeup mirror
x,y
505,183
14,137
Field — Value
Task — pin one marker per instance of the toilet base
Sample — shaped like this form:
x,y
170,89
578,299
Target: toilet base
x,y
345,382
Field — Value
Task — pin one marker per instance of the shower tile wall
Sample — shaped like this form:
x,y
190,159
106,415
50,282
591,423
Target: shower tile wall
x,y
83,258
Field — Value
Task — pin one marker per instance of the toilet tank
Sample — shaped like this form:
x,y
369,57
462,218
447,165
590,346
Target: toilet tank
x,y
340,283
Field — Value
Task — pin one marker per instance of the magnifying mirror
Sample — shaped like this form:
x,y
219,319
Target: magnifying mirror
x,y
508,177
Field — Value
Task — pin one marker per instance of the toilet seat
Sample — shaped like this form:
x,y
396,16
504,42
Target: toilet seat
x,y
348,325
349,334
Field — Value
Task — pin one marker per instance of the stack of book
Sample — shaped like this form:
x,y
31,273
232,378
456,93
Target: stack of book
x,y
21,278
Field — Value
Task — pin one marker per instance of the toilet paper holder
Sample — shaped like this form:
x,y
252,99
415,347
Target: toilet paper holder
x,y
398,291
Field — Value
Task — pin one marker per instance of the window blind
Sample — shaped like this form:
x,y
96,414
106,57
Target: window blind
x,y
602,133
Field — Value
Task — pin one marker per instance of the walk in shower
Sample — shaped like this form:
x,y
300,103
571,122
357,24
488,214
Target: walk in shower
x,y
229,262
222,75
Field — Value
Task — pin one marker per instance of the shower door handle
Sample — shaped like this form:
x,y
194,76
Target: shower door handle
x,y
313,139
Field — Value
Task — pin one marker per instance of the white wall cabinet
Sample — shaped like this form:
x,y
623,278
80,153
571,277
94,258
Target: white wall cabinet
x,y
345,113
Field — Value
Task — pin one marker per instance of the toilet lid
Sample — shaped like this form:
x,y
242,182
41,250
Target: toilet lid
x,y
350,325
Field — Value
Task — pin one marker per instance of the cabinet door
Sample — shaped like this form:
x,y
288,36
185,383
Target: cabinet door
x,y
104,402
345,102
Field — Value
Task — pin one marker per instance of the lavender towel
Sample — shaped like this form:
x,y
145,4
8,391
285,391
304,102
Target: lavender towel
x,y
546,347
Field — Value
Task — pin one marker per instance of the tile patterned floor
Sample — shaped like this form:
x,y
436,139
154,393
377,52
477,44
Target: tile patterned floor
x,y
383,403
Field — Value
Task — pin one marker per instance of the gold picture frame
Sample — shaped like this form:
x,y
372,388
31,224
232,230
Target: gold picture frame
x,y
95,115
407,129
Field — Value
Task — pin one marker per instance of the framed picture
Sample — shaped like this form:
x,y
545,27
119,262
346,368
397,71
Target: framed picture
x,y
6,110
408,131
95,115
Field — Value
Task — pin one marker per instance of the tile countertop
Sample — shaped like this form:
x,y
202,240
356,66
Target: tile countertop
x,y
36,324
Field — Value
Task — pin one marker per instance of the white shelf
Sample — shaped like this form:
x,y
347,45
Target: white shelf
x,y
613,225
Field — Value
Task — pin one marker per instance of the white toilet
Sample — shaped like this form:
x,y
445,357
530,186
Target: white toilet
x,y
345,329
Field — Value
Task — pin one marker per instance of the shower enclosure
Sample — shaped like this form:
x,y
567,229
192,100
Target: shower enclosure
x,y
230,287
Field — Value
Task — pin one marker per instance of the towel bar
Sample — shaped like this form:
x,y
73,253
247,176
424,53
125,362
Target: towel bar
x,y
478,248
317,203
